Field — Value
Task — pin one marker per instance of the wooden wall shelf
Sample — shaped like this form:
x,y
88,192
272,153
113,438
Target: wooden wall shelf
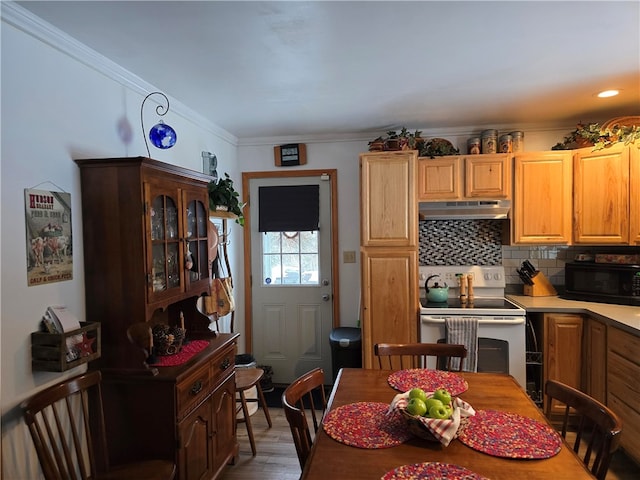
x,y
58,352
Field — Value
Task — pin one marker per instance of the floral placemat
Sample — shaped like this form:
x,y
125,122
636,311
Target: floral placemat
x,y
431,470
506,434
184,355
366,425
427,380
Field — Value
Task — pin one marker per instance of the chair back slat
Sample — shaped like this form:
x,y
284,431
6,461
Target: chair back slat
x,y
70,437
398,356
598,427
59,422
305,397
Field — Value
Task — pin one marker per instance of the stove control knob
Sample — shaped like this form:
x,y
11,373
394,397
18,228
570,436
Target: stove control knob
x,y
497,276
487,276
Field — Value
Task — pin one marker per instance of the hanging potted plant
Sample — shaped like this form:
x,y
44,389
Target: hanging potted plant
x,y
222,196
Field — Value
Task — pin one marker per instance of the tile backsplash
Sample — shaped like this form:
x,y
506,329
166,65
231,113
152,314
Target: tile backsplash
x,y
460,242
479,242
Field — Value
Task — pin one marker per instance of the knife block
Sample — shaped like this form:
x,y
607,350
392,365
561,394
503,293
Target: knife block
x,y
541,287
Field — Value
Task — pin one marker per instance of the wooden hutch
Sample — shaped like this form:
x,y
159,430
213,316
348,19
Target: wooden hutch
x,y
147,245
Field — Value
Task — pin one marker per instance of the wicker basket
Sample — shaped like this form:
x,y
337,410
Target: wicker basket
x,y
417,428
628,121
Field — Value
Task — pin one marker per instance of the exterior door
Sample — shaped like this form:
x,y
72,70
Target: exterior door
x,y
292,286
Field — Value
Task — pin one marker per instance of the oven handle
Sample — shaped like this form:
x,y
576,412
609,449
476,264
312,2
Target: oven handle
x,y
482,320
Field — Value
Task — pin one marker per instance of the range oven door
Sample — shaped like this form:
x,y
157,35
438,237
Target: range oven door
x,y
501,342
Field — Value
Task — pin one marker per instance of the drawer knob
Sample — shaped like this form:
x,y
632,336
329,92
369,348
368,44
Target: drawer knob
x,y
225,364
196,388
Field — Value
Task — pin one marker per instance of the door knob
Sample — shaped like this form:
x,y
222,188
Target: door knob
x,y
326,297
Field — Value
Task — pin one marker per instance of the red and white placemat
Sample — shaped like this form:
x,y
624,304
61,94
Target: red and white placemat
x,y
509,435
431,470
427,380
366,425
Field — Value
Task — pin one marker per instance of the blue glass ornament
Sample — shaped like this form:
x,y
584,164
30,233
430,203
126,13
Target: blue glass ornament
x,y
162,135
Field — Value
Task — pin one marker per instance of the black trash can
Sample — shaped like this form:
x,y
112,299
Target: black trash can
x,y
346,348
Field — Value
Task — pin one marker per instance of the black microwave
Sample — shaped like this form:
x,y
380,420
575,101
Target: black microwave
x,y
602,282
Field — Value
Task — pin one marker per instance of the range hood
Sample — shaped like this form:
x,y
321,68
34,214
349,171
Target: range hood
x,y
465,210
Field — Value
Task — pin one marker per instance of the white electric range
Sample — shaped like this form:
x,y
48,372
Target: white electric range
x,y
501,323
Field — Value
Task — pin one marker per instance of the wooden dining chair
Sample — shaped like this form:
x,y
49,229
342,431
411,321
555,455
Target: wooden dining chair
x,y
304,397
598,427
397,356
71,444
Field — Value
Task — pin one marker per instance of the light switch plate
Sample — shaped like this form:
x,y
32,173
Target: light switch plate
x,y
349,256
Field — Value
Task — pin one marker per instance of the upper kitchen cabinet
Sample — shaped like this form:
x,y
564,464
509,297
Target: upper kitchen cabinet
x,y
601,201
146,247
634,194
542,198
487,176
439,178
453,178
388,208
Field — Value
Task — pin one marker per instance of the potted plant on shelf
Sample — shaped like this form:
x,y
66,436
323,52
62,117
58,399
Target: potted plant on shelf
x,y
393,141
601,136
223,197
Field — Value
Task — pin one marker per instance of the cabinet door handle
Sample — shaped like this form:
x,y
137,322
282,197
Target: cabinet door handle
x,y
196,388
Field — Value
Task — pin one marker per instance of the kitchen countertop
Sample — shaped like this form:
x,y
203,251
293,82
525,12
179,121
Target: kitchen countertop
x,y
622,316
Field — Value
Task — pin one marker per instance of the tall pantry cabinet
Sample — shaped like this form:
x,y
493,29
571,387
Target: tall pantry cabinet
x,y
389,250
147,244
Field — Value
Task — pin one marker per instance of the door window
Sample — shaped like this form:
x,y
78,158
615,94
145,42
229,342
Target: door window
x,y
290,258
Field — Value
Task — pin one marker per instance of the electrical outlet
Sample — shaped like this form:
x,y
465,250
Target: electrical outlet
x,y
349,256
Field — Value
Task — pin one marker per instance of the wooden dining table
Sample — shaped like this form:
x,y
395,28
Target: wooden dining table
x,y
332,460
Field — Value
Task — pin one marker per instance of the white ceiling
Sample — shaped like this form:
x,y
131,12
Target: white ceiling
x,y
264,69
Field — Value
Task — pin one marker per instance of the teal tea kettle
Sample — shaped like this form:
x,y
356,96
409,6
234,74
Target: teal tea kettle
x,y
436,293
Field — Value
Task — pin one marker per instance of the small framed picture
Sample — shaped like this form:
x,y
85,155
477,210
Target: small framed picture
x,y
210,164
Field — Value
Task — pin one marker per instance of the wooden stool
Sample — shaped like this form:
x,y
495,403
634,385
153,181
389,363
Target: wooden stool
x,y
247,378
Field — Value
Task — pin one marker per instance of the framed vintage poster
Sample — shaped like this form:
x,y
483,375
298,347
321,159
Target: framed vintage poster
x,y
49,240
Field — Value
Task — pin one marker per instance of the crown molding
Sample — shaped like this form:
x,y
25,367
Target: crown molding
x,y
24,20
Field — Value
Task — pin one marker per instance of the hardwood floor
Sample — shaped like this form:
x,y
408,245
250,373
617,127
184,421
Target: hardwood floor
x,y
276,457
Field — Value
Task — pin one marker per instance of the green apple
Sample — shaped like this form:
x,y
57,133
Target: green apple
x,y
440,412
433,402
418,393
449,409
443,395
416,407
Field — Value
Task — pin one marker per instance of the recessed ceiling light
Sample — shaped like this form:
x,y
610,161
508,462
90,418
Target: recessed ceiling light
x,y
608,93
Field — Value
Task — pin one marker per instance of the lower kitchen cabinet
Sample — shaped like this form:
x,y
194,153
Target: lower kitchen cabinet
x,y
184,413
562,352
623,395
595,359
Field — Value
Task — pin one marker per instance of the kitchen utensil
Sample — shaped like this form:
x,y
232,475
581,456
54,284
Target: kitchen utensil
x,y
436,293
530,268
524,276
